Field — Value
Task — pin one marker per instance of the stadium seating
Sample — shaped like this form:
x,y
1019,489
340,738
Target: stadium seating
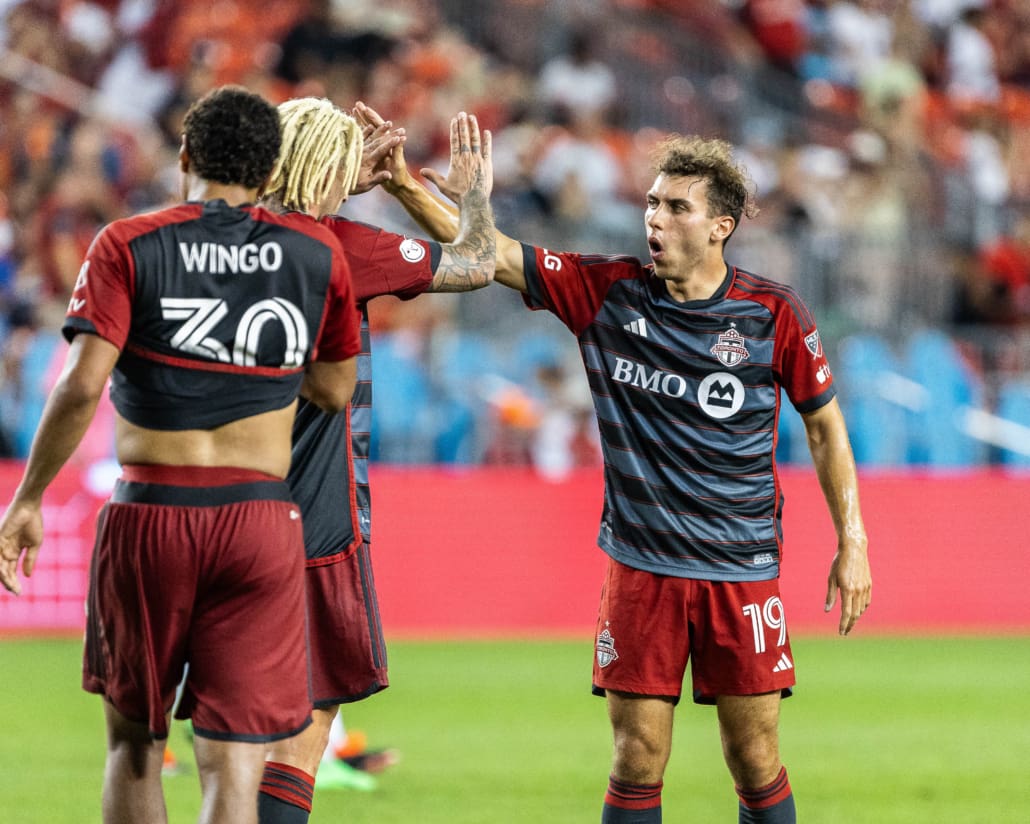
x,y
939,435
874,397
1014,408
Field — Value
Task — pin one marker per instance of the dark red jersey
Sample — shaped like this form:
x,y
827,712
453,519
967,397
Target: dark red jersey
x,y
329,470
216,309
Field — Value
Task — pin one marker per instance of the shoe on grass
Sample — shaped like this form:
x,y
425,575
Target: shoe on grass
x,y
372,761
338,775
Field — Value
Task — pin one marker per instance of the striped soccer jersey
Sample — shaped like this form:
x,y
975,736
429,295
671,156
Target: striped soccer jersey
x,y
687,400
216,309
329,470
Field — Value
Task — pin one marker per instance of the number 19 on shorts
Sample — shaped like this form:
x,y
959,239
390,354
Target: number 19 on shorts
x,y
767,616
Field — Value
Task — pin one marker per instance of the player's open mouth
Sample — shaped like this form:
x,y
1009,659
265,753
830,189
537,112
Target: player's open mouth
x,y
655,247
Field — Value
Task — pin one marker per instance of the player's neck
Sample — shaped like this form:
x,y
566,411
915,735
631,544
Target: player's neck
x,y
699,284
232,193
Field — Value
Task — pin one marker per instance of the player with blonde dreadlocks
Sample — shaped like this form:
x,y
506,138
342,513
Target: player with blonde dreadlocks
x,y
322,146
321,163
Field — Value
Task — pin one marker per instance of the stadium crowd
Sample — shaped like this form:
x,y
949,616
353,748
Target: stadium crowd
x,y
888,141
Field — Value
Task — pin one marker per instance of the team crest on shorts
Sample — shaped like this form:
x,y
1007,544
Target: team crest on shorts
x,y
730,348
605,649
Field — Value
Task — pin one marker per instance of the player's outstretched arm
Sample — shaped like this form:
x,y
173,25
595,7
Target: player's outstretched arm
x,y
850,577
440,218
68,413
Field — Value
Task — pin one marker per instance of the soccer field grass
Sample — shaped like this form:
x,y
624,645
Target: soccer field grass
x,y
884,730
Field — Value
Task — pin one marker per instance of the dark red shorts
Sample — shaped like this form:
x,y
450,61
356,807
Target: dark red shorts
x,y
202,567
345,634
733,632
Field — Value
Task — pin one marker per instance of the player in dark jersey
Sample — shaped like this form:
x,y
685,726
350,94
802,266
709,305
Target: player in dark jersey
x,y
686,357
329,474
210,317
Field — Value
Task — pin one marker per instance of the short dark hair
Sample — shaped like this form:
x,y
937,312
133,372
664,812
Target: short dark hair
x,y
233,137
711,160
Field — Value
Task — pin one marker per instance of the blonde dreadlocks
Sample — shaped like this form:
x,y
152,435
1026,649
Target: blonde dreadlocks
x,y
319,142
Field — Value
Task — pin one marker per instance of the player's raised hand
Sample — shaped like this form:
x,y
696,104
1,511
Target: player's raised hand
x,y
471,166
381,150
851,579
21,530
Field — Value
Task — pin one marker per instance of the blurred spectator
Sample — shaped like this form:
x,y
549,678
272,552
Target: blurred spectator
x,y
319,49
894,91
781,29
1004,270
860,34
581,176
577,80
970,61
566,436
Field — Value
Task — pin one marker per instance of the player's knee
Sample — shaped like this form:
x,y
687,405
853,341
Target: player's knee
x,y
640,757
753,762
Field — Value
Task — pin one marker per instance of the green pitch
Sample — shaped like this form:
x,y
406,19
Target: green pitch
x,y
881,731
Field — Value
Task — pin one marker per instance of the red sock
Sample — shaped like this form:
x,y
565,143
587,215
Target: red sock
x,y
626,803
773,803
288,785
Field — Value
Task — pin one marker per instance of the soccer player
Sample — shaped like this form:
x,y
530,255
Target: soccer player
x,y
686,357
210,317
329,474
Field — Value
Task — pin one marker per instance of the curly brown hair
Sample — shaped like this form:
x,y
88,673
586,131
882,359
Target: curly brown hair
x,y
730,189
233,137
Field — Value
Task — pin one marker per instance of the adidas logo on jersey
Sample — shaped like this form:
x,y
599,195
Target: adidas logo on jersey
x,y
637,327
784,664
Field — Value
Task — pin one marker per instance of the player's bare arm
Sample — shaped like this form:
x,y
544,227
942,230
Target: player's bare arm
x,y
68,413
850,576
330,385
468,262
440,218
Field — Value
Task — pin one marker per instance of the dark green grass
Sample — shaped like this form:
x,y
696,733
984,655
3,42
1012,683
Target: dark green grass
x,y
880,731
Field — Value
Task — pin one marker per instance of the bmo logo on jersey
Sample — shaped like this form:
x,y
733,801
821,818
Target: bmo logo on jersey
x,y
653,380
720,395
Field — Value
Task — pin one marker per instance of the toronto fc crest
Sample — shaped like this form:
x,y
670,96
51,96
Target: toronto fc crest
x,y
605,649
730,348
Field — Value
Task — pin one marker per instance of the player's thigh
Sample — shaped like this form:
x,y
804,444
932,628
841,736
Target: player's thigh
x,y
248,650
642,734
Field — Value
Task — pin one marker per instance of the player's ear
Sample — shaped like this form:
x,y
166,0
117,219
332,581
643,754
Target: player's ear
x,y
723,228
184,156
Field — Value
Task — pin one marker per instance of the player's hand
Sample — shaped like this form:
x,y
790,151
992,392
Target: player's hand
x,y
471,164
851,578
21,531
382,155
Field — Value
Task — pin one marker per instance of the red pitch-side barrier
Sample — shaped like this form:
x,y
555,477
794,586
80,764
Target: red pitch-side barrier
x,y
486,552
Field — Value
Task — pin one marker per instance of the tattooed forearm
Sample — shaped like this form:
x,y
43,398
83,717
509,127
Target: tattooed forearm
x,y
469,262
